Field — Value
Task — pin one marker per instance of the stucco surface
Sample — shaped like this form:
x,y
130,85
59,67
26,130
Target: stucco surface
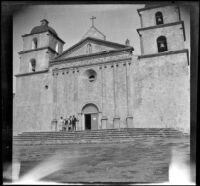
x,y
161,92
174,36
82,49
127,91
170,14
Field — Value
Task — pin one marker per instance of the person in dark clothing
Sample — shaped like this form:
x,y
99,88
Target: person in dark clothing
x,y
70,123
74,120
66,123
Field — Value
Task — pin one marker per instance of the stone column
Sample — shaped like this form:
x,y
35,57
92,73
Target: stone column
x,y
103,94
54,126
104,120
141,44
54,121
76,92
82,121
116,119
79,127
129,119
99,120
141,21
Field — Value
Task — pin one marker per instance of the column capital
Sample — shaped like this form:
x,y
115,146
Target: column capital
x,y
104,118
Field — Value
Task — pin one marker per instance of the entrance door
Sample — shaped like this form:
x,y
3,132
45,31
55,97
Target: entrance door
x,y
87,121
94,121
91,121
90,112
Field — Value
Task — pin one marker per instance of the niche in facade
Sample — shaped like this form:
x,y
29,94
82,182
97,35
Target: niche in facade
x,y
34,43
32,65
159,18
89,48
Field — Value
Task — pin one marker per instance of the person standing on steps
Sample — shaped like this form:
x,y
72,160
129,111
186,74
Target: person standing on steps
x,y
66,123
70,123
74,122
60,124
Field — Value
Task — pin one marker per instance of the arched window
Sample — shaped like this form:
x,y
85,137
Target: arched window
x,y
159,18
89,48
162,44
34,43
56,47
32,65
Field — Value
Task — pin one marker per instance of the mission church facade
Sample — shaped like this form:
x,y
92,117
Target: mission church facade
x,y
103,83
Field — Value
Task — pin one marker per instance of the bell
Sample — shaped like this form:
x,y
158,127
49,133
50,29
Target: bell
x,y
162,45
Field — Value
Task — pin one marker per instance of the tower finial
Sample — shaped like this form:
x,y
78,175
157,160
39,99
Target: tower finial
x,y
92,18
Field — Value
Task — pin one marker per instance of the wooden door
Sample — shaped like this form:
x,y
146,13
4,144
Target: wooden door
x,y
94,121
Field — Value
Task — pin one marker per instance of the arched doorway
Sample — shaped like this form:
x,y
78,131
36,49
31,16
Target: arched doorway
x,y
91,113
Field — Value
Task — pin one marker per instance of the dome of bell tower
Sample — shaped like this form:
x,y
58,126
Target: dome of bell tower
x,y
44,27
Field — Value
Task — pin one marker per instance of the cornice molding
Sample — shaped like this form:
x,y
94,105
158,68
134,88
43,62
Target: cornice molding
x,y
31,73
37,49
95,40
165,53
94,55
44,32
164,25
105,63
160,26
156,6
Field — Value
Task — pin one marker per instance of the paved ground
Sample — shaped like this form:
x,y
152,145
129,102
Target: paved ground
x,y
145,160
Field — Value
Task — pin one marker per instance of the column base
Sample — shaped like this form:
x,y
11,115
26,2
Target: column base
x,y
116,122
54,125
129,121
104,120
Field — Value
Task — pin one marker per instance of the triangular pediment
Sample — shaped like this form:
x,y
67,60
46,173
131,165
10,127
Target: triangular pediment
x,y
89,46
94,33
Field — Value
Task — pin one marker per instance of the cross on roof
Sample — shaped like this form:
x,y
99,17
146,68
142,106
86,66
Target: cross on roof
x,y
92,18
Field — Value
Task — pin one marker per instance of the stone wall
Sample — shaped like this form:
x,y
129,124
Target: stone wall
x,y
52,43
174,35
108,92
33,103
42,41
170,14
41,57
161,91
154,90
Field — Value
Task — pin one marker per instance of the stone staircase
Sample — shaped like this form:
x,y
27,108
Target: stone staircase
x,y
94,136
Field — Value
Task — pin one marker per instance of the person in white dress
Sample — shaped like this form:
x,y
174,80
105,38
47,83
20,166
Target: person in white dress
x,y
60,124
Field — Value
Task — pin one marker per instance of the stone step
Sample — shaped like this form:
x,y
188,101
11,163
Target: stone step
x,y
102,133
94,135
89,138
53,142
110,130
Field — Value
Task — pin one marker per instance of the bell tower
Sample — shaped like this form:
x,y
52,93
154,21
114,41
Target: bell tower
x,y
39,46
162,29
163,68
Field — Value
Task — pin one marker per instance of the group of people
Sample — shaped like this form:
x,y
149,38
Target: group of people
x,y
68,124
